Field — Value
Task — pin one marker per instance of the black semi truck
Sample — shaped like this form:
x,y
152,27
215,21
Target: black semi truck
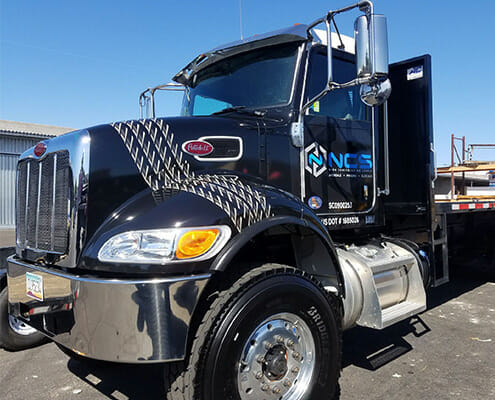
x,y
291,200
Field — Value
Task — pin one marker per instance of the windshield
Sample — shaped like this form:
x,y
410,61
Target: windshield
x,y
255,79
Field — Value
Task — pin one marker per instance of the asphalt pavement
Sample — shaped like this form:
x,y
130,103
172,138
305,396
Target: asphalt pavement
x,y
445,353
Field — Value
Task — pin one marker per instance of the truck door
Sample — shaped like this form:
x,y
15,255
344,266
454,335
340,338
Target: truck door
x,y
412,167
338,162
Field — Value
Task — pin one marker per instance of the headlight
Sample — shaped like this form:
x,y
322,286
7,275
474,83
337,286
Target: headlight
x,y
162,246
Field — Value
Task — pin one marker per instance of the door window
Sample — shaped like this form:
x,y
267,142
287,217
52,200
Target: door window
x,y
341,103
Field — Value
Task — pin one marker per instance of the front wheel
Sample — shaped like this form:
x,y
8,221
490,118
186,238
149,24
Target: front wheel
x,y
274,334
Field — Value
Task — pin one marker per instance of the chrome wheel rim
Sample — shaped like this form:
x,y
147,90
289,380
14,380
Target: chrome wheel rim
x,y
20,327
277,360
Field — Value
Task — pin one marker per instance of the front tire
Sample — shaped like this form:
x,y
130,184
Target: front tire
x,y
274,333
14,334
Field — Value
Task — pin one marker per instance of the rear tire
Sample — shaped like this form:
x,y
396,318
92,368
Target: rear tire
x,y
15,335
275,331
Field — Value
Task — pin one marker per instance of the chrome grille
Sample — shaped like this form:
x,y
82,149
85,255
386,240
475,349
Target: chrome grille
x,y
43,203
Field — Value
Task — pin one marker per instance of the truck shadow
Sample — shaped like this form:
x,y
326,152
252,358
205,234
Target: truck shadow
x,y
121,381
371,349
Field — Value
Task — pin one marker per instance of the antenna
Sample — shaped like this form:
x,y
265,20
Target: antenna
x,y
240,17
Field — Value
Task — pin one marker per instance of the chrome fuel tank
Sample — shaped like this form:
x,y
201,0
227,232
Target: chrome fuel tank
x,y
383,284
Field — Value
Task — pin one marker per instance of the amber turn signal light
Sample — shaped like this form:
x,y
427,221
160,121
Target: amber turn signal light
x,y
194,243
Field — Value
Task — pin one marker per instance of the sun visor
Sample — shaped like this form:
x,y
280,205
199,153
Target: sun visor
x,y
296,33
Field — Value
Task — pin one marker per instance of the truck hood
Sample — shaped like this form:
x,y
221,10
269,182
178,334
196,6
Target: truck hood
x,y
165,156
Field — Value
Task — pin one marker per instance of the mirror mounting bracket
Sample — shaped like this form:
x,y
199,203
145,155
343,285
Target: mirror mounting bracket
x,y
297,133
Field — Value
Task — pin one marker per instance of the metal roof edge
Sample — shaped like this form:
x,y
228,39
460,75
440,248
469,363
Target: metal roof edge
x,y
35,130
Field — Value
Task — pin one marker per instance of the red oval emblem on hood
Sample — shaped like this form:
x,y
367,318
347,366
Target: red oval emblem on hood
x,y
197,147
39,149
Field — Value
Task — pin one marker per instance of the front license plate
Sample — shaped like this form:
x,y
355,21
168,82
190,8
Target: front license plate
x,y
34,286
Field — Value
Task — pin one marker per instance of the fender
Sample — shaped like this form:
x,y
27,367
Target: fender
x,y
286,210
246,204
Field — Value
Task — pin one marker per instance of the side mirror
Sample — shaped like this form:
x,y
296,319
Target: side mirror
x,y
370,34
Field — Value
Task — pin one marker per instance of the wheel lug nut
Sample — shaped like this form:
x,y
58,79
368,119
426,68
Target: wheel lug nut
x,y
280,339
295,370
296,356
287,383
268,346
259,375
276,390
261,359
290,343
265,388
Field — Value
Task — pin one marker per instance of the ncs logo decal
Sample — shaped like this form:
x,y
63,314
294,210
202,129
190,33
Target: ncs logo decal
x,y
315,157
317,160
415,73
197,147
350,161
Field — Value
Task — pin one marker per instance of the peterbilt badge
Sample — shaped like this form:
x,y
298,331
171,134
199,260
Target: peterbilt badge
x,y
39,149
197,147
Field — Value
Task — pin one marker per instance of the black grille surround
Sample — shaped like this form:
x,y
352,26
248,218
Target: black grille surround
x,y
43,203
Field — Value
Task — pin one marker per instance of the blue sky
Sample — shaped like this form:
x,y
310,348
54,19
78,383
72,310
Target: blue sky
x,y
79,64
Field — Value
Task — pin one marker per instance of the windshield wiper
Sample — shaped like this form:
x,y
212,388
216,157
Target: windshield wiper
x,y
240,109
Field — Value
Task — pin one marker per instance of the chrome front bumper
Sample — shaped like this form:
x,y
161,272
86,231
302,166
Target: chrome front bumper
x,y
132,321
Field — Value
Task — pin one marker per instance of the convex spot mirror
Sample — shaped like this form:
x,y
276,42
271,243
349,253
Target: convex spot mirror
x,y
370,34
375,93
